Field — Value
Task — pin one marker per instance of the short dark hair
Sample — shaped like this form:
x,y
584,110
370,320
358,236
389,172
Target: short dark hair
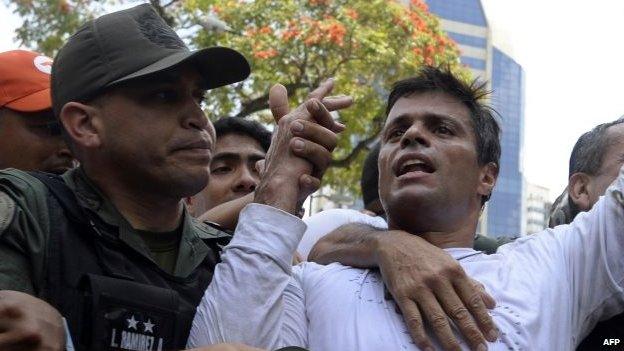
x,y
486,128
239,125
588,152
370,176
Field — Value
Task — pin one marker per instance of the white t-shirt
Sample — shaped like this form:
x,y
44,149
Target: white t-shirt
x,y
326,221
551,288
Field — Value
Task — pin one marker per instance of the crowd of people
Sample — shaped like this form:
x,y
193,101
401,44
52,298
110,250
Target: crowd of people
x,y
128,221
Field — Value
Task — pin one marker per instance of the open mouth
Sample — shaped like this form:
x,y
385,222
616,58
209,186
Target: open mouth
x,y
414,165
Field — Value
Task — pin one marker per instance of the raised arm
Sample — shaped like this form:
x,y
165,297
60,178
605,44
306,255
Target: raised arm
x,y
431,280
593,259
252,298
226,214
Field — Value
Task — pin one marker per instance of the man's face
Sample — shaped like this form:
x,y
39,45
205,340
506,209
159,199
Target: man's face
x,y
232,170
429,177
611,163
32,142
155,136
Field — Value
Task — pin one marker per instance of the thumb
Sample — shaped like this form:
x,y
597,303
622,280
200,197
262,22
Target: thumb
x,y
278,101
260,167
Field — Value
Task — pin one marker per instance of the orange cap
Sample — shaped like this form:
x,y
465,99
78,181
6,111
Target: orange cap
x,y
25,81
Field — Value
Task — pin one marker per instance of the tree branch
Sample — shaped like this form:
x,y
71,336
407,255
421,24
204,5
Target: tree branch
x,y
262,102
338,65
361,145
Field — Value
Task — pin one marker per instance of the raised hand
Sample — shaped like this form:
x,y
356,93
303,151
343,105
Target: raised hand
x,y
301,147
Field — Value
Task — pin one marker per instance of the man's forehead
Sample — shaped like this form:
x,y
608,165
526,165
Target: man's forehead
x,y
238,143
615,141
428,103
616,133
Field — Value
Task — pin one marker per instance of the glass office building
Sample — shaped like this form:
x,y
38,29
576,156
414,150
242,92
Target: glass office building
x,y
505,208
465,22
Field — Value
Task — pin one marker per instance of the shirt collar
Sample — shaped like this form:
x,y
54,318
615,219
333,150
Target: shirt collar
x,y
192,250
91,197
459,253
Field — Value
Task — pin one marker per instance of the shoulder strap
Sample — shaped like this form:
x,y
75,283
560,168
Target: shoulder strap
x,y
63,195
69,203
108,258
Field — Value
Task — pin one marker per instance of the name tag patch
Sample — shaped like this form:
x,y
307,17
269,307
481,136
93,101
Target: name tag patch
x,y
137,331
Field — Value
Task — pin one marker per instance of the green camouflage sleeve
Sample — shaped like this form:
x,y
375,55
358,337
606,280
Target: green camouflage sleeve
x,y
23,231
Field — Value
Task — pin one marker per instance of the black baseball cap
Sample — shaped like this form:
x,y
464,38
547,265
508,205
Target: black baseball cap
x,y
129,44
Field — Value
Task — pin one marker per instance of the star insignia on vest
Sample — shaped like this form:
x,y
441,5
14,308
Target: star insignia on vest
x,y
148,327
130,335
132,323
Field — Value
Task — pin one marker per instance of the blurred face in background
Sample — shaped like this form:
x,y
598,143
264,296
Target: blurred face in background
x,y
232,171
31,141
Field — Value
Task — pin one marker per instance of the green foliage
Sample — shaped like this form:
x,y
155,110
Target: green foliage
x,y
364,44
48,23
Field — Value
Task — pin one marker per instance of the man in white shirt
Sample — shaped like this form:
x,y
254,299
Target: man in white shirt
x,y
595,162
438,165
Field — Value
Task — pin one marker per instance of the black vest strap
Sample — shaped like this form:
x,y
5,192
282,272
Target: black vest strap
x,y
63,194
108,258
67,199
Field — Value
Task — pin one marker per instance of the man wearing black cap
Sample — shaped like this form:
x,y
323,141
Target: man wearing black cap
x,y
110,245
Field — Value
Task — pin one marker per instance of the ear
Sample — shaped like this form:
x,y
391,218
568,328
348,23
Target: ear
x,y
578,190
487,179
81,125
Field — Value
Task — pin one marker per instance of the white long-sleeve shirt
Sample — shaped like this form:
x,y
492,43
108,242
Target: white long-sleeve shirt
x,y
551,288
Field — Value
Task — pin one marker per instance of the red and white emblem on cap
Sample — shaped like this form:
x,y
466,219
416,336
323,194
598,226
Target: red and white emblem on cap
x,y
43,63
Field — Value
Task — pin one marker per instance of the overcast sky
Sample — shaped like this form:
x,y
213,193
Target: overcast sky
x,y
573,58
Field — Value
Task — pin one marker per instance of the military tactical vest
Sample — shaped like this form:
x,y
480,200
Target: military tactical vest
x,y
112,297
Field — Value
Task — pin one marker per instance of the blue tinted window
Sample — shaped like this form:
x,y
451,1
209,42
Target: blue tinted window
x,y
468,40
473,62
468,11
505,206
